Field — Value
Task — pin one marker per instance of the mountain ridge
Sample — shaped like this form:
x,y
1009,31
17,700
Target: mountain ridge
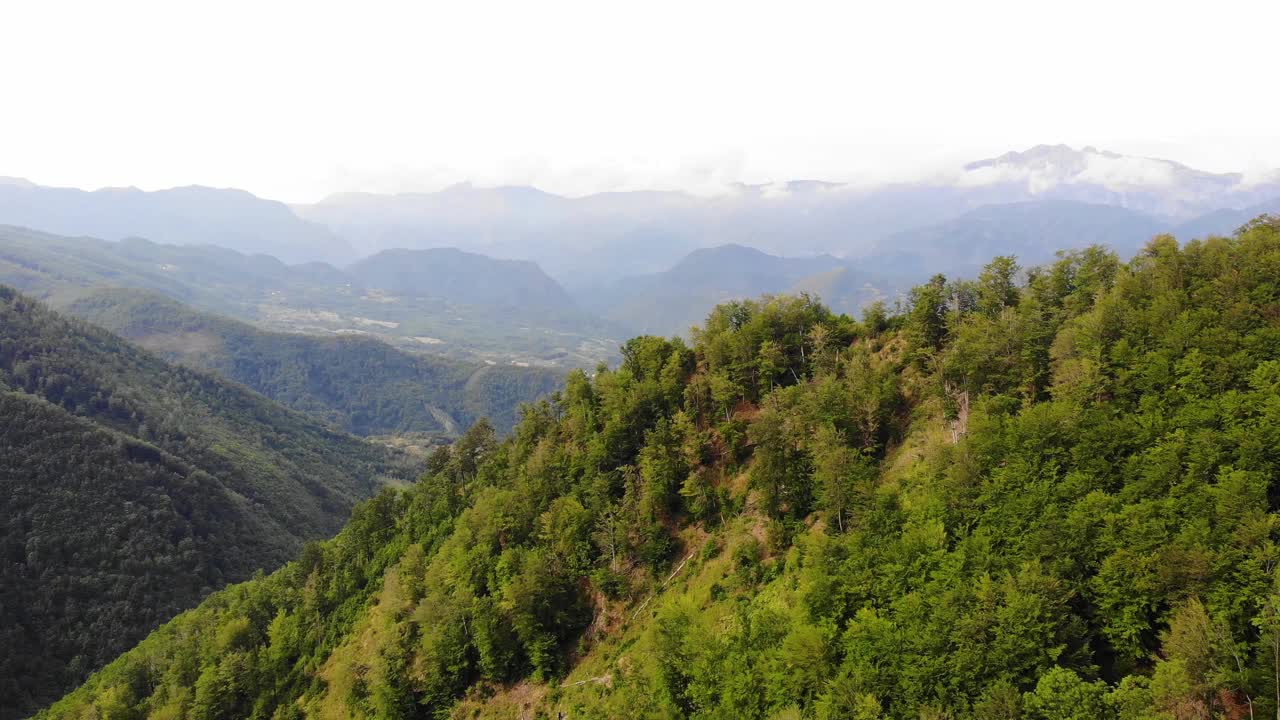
x,y
191,214
604,237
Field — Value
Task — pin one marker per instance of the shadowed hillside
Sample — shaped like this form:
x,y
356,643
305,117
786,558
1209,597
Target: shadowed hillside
x,y
133,488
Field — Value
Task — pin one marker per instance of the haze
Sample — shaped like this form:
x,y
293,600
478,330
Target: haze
x,y
294,101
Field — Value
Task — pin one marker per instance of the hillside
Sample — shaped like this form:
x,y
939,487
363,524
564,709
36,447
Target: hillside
x,y
1048,500
423,312
355,383
133,488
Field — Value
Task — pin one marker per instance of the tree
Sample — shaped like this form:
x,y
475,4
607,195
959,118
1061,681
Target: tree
x,y
769,361
1061,694
927,319
1200,660
875,317
997,286
840,476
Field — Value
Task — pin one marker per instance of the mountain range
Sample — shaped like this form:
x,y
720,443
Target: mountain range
x,y
454,304
597,238
515,275
191,215
583,242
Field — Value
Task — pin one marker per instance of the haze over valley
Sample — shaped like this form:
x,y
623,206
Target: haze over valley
x,y
514,275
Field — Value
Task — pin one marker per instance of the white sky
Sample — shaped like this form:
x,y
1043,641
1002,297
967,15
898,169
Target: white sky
x,y
296,100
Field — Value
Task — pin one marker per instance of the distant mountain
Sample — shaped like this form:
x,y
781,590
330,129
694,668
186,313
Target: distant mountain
x,y
132,488
356,383
1032,231
573,238
670,302
1225,222
588,241
444,302
848,290
735,268
602,238
1161,188
191,215
463,277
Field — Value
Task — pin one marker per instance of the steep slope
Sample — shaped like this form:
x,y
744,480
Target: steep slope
x,y
191,215
359,384
319,299
133,487
1053,504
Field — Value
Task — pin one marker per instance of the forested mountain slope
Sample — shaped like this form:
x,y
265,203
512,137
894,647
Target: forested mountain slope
x,y
1048,497
132,488
359,384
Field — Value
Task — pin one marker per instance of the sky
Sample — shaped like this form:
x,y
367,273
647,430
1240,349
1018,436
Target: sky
x,y
296,100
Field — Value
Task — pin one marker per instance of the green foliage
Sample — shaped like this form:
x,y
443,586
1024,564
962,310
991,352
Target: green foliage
x,y
1060,694
1075,519
132,488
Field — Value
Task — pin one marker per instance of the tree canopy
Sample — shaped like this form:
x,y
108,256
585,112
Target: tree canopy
x,y
1047,494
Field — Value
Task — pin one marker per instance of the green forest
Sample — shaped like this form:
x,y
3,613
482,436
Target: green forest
x,y
1044,494
133,488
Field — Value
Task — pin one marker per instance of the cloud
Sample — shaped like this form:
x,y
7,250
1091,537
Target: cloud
x,y
1118,172
1043,168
